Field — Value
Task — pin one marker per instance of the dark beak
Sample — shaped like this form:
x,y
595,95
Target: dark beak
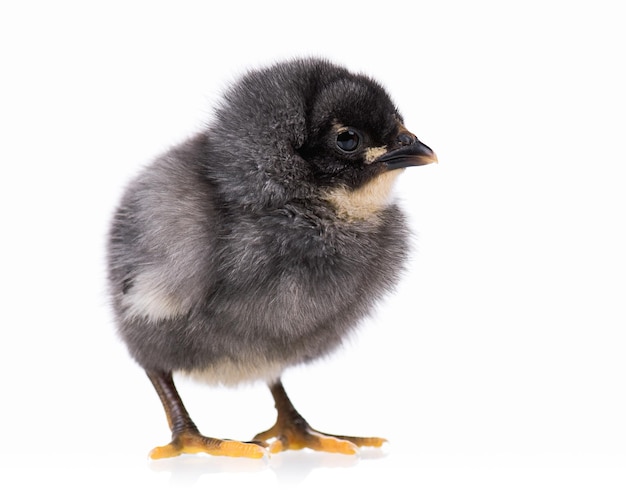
x,y
412,154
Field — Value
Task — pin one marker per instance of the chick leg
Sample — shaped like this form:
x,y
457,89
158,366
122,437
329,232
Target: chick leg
x,y
186,439
291,431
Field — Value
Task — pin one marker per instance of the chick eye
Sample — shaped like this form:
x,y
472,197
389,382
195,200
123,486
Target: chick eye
x,y
348,140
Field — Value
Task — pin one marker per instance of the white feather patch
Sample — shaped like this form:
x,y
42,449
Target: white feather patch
x,y
366,201
231,373
372,154
150,299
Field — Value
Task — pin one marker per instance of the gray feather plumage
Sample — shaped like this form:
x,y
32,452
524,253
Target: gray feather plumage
x,y
226,249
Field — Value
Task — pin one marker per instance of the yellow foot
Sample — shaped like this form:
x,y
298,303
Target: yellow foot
x,y
298,434
194,443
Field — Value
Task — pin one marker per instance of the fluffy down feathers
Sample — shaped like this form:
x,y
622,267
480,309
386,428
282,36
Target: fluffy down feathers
x,y
237,253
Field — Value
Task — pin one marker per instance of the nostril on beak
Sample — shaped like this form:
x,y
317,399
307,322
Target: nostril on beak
x,y
405,139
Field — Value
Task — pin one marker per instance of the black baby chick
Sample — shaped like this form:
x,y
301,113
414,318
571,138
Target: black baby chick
x,y
261,242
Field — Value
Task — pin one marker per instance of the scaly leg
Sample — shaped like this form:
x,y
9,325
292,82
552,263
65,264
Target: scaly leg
x,y
291,431
186,439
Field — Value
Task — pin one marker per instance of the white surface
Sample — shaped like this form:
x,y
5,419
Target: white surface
x,y
496,371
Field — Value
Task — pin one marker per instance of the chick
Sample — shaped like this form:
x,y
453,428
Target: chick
x,y
261,242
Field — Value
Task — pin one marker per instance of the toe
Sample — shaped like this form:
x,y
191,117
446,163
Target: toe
x,y
327,443
165,451
240,450
363,441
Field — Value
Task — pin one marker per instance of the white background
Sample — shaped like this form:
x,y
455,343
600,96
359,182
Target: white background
x,y
496,370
